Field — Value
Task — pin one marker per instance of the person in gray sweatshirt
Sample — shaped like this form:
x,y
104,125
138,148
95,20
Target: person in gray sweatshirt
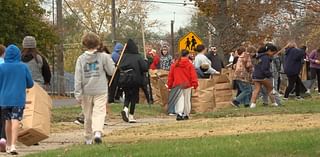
x,y
91,87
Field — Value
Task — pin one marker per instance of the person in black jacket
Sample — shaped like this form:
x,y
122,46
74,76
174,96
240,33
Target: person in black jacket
x,y
216,61
132,60
262,73
292,67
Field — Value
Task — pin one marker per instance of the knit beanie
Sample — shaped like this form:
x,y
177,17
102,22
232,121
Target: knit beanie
x,y
29,42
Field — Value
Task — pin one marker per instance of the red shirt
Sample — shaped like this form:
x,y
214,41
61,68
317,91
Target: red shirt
x,y
183,74
155,62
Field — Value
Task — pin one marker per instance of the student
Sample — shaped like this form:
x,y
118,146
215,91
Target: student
x,y
243,78
314,59
165,59
155,60
262,74
216,61
292,68
37,64
131,62
91,88
2,120
15,78
202,63
183,74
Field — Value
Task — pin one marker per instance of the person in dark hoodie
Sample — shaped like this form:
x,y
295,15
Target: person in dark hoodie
x,y
15,78
133,63
262,73
292,68
37,64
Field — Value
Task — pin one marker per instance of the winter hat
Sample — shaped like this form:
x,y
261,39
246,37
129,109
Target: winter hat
x,y
29,42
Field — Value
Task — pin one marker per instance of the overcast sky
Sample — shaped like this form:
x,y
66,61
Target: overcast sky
x,y
167,12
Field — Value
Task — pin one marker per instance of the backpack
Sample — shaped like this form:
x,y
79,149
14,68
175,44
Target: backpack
x,y
127,78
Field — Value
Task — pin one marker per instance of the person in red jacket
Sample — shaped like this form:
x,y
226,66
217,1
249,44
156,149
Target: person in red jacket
x,y
183,74
155,59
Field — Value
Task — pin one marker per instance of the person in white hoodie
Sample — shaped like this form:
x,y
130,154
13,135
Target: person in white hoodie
x,y
202,63
91,87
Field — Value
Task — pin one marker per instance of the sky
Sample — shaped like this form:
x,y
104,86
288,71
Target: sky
x,y
167,12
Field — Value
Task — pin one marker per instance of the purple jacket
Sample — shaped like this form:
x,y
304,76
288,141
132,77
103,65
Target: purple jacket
x,y
313,57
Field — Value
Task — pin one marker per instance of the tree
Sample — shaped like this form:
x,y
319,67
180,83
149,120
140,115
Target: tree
x,y
235,22
26,17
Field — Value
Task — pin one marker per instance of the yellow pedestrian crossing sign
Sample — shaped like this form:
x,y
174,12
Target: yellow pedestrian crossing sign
x,y
189,42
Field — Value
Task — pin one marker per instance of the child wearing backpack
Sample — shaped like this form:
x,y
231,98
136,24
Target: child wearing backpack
x,y
15,77
183,74
91,87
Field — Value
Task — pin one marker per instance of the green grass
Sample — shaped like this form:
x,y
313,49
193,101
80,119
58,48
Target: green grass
x,y
295,144
69,113
290,107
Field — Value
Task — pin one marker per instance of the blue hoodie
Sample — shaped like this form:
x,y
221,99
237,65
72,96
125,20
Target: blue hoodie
x,y
14,79
116,52
262,68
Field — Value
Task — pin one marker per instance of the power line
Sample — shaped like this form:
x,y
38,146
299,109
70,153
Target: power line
x,y
165,2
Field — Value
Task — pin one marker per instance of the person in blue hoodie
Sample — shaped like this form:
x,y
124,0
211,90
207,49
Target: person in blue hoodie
x,y
115,92
292,68
262,73
116,52
15,78
2,120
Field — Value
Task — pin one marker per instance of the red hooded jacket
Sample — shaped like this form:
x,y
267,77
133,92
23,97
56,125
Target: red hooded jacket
x,y
183,74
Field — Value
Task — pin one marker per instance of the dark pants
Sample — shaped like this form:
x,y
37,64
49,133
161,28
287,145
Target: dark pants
x,y
294,83
113,87
2,126
316,73
131,97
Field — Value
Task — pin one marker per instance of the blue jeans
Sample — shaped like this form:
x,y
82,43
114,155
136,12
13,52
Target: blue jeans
x,y
246,91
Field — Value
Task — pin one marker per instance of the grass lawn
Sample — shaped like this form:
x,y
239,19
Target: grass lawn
x,y
309,105
295,143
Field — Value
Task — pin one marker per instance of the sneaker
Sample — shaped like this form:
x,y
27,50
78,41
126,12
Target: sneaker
x,y
172,114
285,99
246,105
299,98
179,117
8,148
253,105
88,142
131,119
308,91
13,150
124,114
275,104
235,103
97,137
3,144
185,117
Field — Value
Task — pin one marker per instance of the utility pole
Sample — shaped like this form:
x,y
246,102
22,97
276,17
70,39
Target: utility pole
x,y
172,39
143,39
60,66
113,8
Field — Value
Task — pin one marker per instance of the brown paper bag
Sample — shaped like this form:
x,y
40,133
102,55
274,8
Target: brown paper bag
x,y
202,99
223,93
35,125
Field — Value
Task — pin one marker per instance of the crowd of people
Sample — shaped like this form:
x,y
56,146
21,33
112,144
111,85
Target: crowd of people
x,y
102,77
